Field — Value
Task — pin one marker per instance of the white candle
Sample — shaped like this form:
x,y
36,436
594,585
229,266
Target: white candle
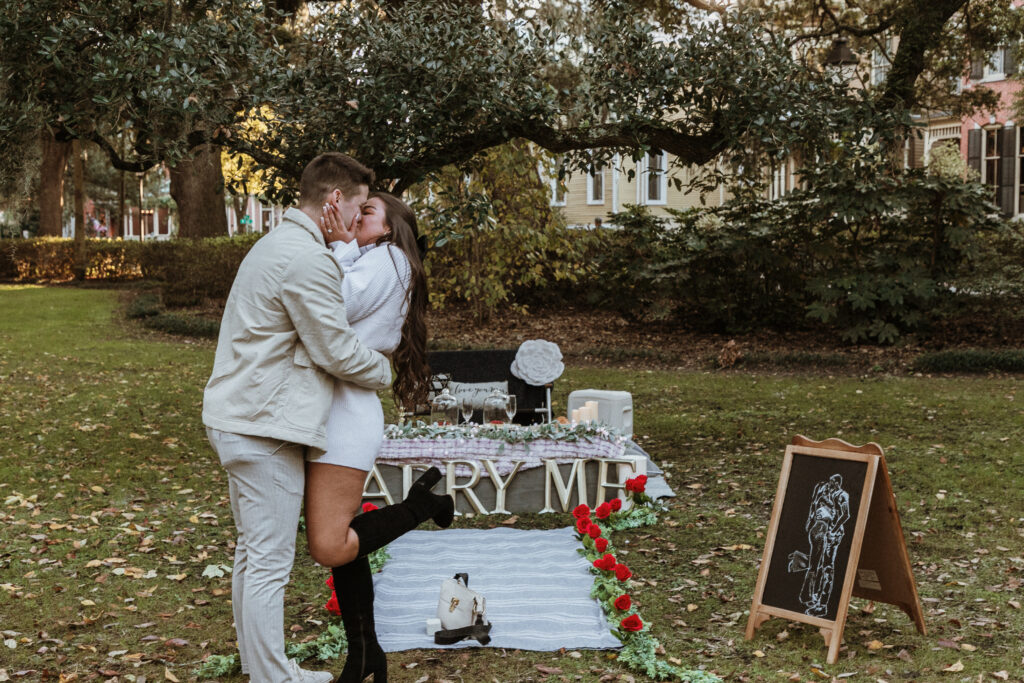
x,y
575,415
592,410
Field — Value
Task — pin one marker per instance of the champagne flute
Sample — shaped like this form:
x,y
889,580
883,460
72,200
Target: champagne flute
x,y
467,409
510,407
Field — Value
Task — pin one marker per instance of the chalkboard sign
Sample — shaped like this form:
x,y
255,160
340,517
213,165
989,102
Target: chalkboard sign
x,y
814,534
834,532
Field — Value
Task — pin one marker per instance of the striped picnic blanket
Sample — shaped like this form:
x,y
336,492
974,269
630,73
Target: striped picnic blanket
x,y
536,585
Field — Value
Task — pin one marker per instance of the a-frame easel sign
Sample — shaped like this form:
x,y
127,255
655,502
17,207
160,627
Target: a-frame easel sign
x,y
834,533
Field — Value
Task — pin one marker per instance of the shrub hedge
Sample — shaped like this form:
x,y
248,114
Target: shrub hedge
x,y
971,360
190,270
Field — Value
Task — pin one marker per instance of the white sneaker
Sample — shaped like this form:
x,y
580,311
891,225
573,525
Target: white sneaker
x,y
300,675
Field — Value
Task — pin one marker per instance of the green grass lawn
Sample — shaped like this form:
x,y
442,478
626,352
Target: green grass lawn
x,y
113,505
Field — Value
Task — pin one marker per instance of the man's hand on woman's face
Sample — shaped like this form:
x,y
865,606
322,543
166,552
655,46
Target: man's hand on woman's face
x,y
332,223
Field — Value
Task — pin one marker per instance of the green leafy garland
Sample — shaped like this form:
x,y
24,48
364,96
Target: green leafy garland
x,y
509,433
328,645
639,647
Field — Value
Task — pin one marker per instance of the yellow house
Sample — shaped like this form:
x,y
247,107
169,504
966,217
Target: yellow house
x,y
589,199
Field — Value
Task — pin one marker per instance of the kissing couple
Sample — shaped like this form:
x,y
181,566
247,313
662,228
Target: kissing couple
x,y
319,310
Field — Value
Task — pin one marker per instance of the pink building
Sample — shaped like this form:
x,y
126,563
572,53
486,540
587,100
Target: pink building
x,y
992,142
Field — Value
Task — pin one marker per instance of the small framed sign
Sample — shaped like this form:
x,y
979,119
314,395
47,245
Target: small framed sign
x,y
834,533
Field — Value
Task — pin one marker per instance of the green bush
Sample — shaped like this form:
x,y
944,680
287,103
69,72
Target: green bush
x,y
144,306
183,324
971,360
193,270
871,257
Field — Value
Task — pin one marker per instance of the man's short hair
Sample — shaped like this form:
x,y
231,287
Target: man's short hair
x,y
332,170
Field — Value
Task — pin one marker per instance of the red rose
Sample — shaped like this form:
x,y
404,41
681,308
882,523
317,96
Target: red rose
x,y
616,504
601,544
330,582
580,511
637,484
583,525
621,571
369,506
623,602
594,531
332,605
631,623
603,510
606,563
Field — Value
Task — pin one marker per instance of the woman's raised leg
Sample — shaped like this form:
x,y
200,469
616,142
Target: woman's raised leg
x,y
333,496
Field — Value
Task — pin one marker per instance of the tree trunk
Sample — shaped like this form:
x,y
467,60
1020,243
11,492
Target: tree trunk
x,y
78,166
197,186
50,194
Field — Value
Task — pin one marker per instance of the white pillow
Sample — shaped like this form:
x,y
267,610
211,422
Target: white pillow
x,y
476,392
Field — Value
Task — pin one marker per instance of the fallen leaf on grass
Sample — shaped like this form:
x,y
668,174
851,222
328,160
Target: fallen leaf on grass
x,y
169,676
551,670
953,668
876,645
511,520
758,653
1001,675
215,571
968,647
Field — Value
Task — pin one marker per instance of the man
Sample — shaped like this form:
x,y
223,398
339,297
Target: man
x,y
829,511
283,340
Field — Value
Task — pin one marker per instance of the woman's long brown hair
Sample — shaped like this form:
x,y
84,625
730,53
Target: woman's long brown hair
x,y
412,373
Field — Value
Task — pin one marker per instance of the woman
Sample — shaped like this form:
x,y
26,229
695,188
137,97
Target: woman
x,y
385,296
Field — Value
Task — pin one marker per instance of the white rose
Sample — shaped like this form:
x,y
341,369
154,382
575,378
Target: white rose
x,y
538,362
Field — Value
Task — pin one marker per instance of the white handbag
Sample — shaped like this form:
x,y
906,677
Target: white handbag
x,y
462,612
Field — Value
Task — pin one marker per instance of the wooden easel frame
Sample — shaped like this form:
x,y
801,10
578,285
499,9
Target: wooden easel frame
x,y
876,519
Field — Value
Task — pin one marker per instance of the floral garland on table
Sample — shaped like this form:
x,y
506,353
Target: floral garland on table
x,y
328,645
509,433
611,584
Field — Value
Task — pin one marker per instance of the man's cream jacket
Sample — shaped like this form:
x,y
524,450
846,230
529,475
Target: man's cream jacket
x,y
283,340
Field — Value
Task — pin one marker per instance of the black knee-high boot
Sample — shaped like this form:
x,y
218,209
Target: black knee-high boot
x,y
377,528
353,584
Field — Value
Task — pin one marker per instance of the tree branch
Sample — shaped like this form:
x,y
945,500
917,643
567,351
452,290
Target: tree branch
x,y
921,22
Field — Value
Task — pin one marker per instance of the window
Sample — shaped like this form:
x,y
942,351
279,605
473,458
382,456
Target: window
x,y
880,66
992,163
656,178
780,180
266,218
1020,172
595,185
994,66
1001,63
557,188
